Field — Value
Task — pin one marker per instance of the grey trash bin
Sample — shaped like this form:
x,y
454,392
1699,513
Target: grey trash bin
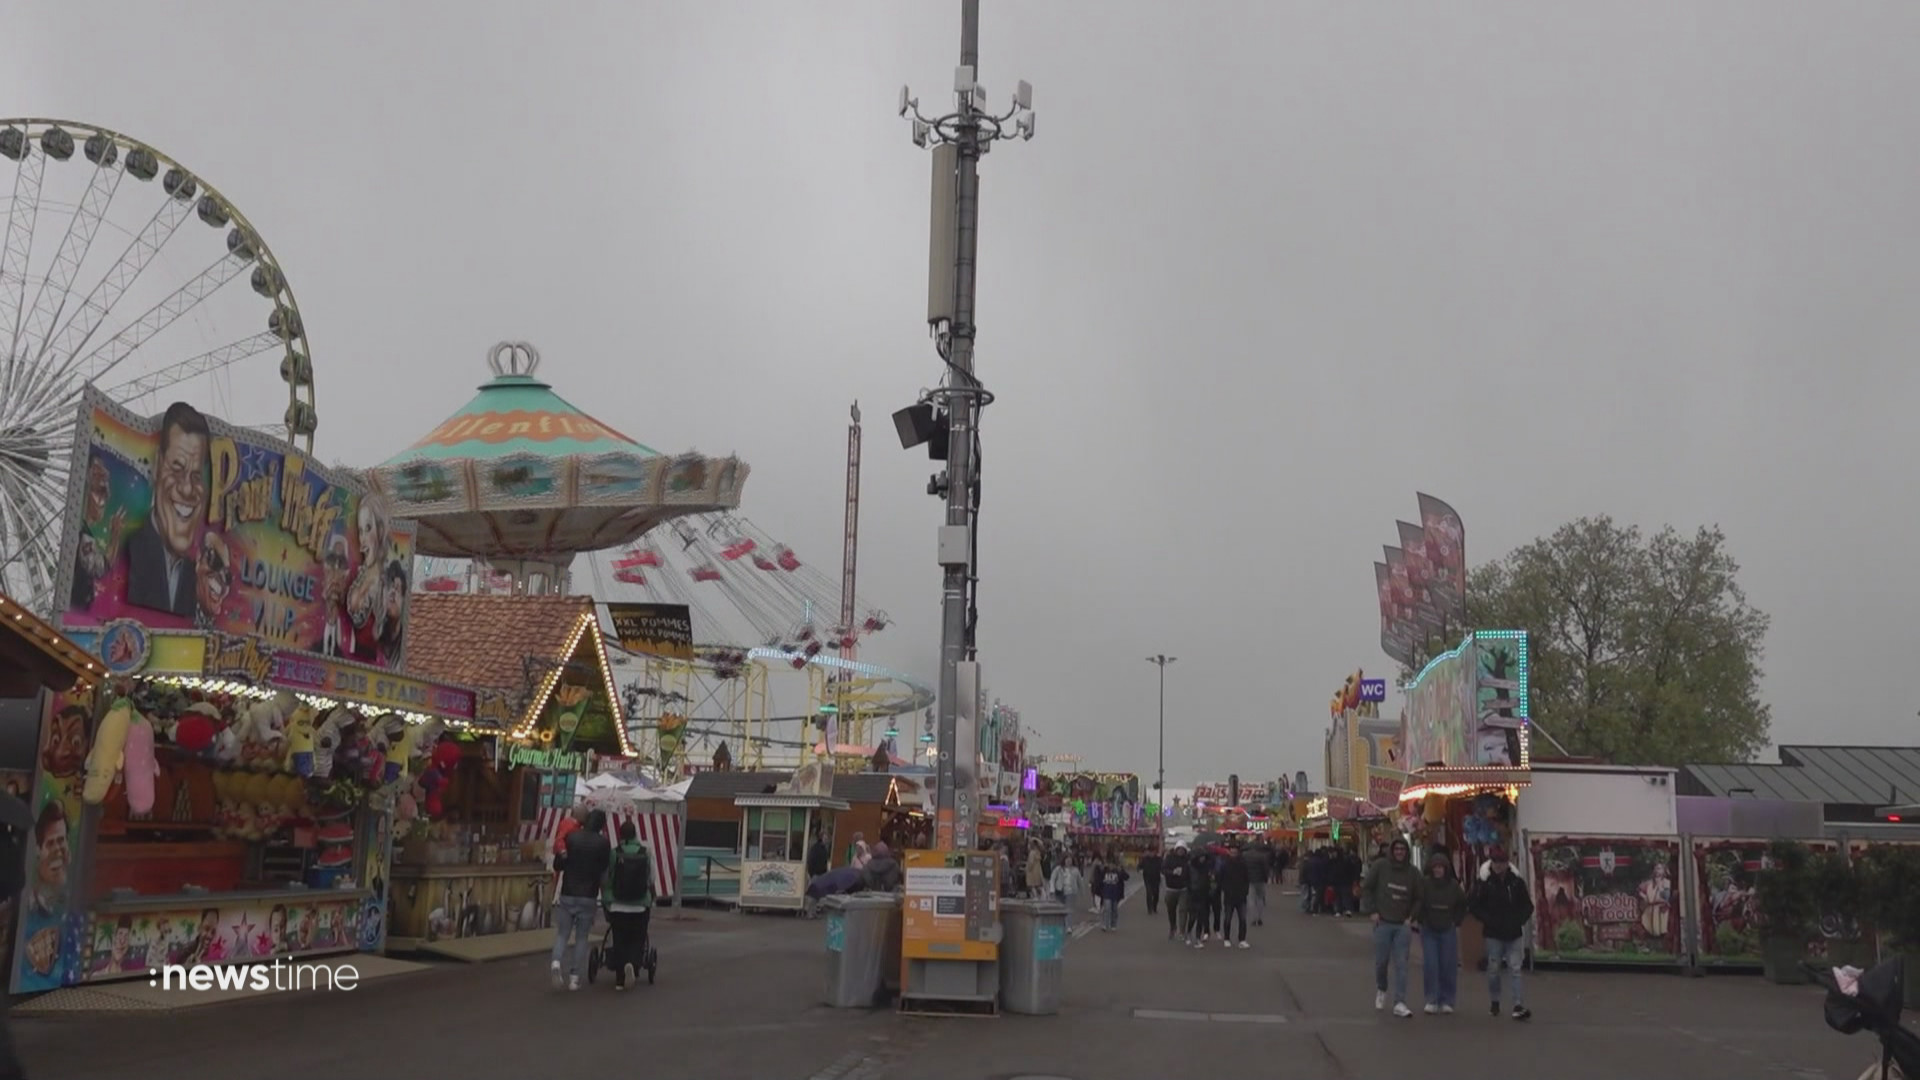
x,y
1031,950
863,932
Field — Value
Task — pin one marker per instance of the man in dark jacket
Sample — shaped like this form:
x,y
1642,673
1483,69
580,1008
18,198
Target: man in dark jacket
x,y
1313,880
1259,860
1343,872
1199,897
819,861
1175,870
583,869
1391,894
1150,877
1233,884
1503,904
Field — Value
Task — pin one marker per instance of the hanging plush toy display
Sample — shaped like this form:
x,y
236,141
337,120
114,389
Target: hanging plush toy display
x,y
108,754
441,763
140,769
1483,827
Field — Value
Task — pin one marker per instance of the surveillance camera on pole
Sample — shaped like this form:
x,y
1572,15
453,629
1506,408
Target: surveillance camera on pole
x,y
959,139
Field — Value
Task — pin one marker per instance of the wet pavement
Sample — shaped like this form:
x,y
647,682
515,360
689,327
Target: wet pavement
x,y
740,997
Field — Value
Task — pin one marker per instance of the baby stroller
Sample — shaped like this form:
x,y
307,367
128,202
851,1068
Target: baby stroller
x,y
598,955
1870,1001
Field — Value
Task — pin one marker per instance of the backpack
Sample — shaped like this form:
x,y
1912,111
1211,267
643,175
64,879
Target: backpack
x,y
632,877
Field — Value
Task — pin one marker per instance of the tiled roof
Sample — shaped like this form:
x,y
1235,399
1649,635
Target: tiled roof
x,y
483,641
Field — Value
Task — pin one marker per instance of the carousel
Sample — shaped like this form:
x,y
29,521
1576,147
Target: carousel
x,y
518,483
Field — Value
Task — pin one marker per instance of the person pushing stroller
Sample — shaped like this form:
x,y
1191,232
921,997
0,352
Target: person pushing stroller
x,y
627,899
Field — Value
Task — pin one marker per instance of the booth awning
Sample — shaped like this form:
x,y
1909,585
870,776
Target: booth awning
x,y
35,656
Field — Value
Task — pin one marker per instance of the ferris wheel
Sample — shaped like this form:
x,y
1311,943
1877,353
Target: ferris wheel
x,y
106,282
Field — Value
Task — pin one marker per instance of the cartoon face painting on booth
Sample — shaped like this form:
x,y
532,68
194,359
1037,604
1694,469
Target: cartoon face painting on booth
x,y
183,522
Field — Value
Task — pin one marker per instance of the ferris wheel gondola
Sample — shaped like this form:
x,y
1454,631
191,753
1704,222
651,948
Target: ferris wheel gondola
x,y
104,283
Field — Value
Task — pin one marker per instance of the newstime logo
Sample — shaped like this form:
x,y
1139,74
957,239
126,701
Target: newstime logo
x,y
257,978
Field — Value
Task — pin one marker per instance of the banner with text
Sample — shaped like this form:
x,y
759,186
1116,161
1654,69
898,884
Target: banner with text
x,y
664,630
182,521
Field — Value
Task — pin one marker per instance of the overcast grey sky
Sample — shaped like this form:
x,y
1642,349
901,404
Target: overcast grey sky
x,y
1268,269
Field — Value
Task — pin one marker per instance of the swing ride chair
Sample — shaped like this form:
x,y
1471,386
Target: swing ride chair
x,y
781,614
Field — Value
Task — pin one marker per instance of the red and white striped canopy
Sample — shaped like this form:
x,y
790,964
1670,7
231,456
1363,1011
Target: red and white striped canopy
x,y
661,832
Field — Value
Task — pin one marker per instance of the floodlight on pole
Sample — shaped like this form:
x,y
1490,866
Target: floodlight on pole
x,y
1161,661
958,139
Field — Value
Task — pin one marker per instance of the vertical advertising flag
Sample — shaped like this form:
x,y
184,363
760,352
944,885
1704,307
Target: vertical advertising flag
x,y
1429,589
181,522
1446,550
1393,636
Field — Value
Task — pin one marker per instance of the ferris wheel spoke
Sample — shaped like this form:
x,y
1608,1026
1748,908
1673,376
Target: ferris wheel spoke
x,y
157,318
72,337
50,302
193,367
21,215
35,450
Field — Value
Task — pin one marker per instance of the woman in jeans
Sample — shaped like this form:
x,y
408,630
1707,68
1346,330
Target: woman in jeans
x,y
1443,907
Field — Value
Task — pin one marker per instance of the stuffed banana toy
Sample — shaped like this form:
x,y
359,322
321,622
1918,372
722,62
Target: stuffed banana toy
x,y
109,752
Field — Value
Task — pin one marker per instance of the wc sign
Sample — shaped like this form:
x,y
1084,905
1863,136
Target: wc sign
x,y
1374,690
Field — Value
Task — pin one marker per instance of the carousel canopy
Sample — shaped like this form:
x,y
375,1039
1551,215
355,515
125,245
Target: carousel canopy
x,y
520,473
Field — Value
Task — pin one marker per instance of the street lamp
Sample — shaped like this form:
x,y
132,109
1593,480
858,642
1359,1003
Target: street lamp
x,y
1160,789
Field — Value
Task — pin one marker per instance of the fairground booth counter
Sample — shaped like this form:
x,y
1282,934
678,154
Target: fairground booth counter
x,y
481,865
1100,810
226,793
1465,744
36,661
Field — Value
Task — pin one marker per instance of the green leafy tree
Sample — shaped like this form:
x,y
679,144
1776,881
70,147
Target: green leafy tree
x,y
1644,649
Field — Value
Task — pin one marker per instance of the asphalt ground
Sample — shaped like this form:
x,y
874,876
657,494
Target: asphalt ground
x,y
740,996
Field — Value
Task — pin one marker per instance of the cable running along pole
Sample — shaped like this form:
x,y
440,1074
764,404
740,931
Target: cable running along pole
x,y
958,140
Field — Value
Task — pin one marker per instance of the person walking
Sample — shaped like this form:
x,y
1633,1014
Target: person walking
x,y
1443,907
883,873
1233,886
583,868
1199,898
1259,860
1113,889
627,900
819,861
1503,904
1036,872
1313,880
1178,874
1150,878
1065,883
1390,895
1343,873
1216,904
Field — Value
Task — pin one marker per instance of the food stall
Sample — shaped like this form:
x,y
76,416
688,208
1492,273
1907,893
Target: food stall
x,y
225,794
776,829
482,866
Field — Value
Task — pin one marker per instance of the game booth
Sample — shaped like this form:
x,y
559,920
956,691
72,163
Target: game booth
x,y
1465,746
481,867
36,661
226,792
